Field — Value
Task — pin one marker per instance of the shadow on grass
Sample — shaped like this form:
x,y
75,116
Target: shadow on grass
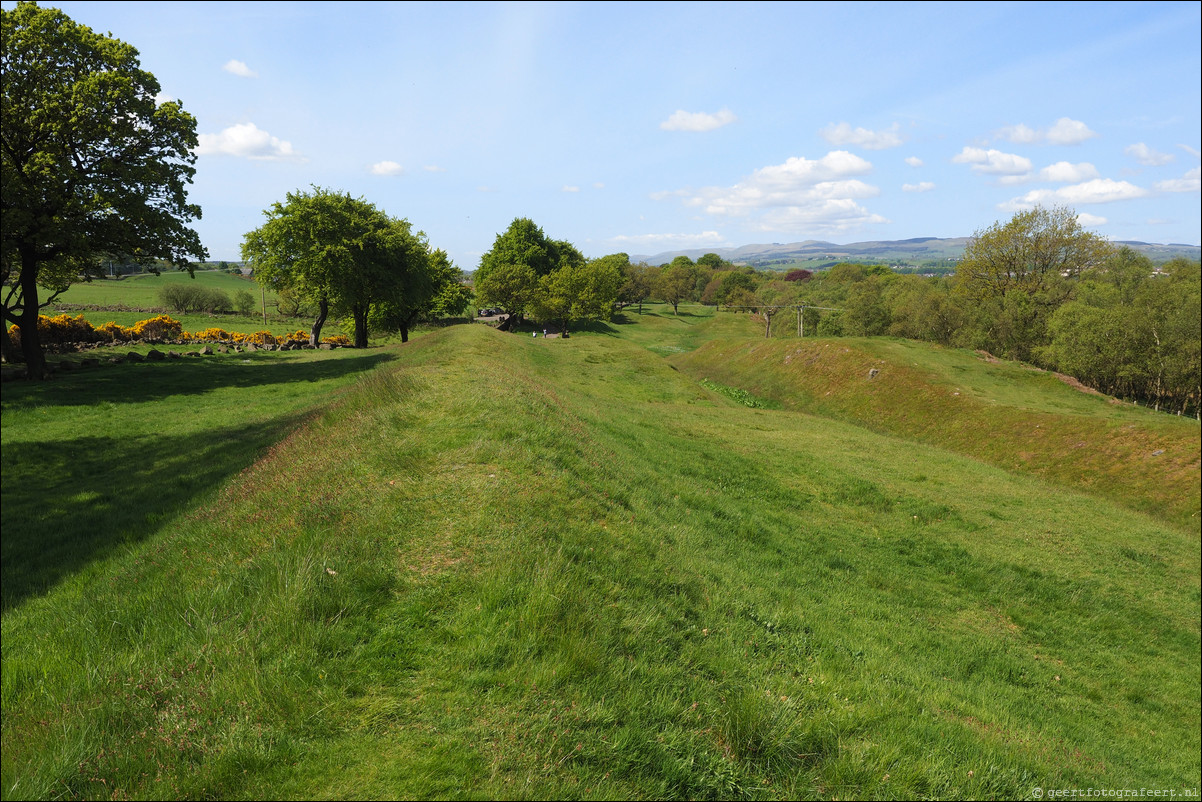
x,y
70,502
151,381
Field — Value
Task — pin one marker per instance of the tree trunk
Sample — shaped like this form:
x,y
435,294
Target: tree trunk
x,y
405,324
323,311
31,344
359,313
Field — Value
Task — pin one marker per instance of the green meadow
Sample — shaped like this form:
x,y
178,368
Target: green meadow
x,y
663,558
110,299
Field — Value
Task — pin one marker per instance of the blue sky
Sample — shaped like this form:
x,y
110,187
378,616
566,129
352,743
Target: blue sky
x,y
647,127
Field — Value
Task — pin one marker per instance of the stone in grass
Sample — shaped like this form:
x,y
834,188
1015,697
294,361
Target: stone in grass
x,y
173,355
205,351
134,356
66,364
155,355
89,362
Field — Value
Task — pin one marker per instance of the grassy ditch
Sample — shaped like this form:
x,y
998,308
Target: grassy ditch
x,y
1004,413
522,568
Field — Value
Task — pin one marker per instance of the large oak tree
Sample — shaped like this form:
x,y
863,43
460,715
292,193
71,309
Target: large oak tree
x,y
90,163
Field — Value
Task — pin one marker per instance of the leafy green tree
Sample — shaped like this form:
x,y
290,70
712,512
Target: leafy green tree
x,y
578,292
1019,272
922,309
637,284
865,313
432,293
500,279
338,252
675,284
90,164
244,302
509,286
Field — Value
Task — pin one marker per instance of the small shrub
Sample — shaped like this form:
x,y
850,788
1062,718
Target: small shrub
x,y
244,302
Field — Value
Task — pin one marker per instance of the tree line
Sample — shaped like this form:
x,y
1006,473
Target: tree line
x,y
1037,288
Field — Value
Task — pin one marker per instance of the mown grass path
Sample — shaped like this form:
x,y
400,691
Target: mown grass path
x,y
527,568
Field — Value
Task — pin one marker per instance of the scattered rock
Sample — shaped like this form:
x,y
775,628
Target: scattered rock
x,y
873,373
155,355
173,354
134,356
1158,452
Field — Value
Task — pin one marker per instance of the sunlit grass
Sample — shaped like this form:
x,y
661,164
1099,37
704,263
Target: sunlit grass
x,y
514,568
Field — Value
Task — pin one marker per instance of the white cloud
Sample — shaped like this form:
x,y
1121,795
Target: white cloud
x,y
568,188
1087,219
248,141
1149,157
1099,190
1065,131
239,68
993,162
434,168
1020,134
1069,132
671,241
1191,151
598,185
697,121
923,186
1190,182
1013,180
1066,173
914,161
818,194
386,168
844,134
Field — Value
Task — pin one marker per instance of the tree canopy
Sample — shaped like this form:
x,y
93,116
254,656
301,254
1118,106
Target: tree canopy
x,y
338,252
90,163
526,272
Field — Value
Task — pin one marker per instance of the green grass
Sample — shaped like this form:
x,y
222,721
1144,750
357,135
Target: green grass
x,y
142,290
508,567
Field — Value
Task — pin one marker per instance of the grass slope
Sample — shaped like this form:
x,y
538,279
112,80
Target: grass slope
x,y
526,568
1004,413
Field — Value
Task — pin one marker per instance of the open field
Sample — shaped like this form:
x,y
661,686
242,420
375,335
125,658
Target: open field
x,y
142,290
486,565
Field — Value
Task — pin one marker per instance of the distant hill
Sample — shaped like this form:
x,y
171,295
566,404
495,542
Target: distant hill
x,y
916,251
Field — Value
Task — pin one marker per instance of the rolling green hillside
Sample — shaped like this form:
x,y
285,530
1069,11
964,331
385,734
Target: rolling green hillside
x,y
510,567
1007,414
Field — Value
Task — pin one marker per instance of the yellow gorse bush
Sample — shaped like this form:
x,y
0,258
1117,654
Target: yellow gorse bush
x,y
66,329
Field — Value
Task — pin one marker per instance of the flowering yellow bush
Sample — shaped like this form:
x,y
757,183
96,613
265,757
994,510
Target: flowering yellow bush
x,y
66,329
162,327
208,335
257,338
112,331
